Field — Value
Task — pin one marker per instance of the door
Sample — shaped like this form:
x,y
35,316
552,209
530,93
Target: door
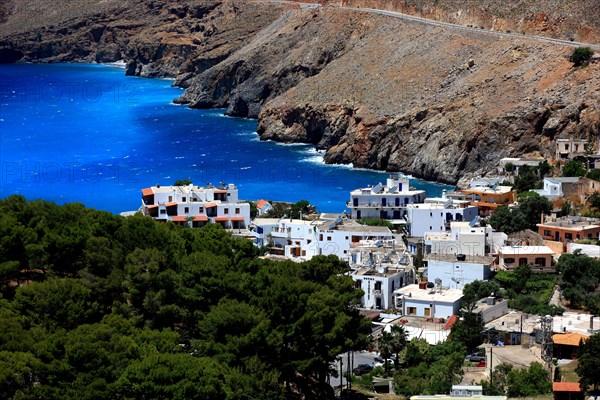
x,y
384,202
358,214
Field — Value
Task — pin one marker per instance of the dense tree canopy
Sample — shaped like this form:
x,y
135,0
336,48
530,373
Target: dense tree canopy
x,y
589,364
95,305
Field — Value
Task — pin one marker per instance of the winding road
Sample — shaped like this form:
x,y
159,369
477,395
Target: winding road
x,y
449,25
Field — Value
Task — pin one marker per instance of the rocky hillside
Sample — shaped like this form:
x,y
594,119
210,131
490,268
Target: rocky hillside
x,y
375,91
562,19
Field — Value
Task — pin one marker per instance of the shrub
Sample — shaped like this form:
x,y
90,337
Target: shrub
x,y
581,55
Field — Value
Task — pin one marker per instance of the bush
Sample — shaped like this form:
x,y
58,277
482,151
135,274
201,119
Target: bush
x,y
581,56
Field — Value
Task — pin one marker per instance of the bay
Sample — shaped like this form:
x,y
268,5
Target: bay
x,y
87,133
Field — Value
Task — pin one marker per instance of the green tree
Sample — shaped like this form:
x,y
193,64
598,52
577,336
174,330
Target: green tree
x,y
182,182
476,290
573,168
594,174
581,55
594,200
509,221
529,382
532,205
467,331
589,364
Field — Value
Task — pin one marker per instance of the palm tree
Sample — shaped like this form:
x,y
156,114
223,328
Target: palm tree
x,y
399,340
386,348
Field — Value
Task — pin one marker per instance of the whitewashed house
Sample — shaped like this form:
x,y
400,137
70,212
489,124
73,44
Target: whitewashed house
x,y
436,215
455,271
464,238
263,207
194,206
417,301
379,271
387,201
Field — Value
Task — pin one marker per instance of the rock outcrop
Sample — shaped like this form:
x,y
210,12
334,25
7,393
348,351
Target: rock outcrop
x,y
373,90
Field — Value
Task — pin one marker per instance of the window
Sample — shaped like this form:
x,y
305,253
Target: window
x,y
523,261
509,260
547,232
226,211
378,285
411,310
163,211
540,261
358,284
186,210
329,238
200,209
183,199
170,199
237,210
320,236
428,312
569,236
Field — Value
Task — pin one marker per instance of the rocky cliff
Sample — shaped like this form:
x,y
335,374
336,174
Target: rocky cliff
x,y
372,90
562,19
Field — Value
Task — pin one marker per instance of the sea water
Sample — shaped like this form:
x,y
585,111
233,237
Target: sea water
x,y
88,133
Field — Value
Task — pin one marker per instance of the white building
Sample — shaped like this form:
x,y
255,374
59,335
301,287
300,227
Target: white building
x,y
195,205
263,207
302,240
387,201
455,271
464,238
378,271
436,215
428,302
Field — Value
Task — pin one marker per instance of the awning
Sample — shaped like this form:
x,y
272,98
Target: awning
x,y
221,219
200,218
173,203
238,218
566,387
147,192
179,218
219,191
209,205
152,206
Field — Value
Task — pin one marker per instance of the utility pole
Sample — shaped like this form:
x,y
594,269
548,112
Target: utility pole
x,y
491,366
341,375
349,381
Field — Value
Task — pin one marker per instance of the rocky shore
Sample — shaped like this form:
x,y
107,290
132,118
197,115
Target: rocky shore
x,y
373,90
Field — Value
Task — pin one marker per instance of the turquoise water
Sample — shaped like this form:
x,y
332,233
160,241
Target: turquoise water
x,y
90,134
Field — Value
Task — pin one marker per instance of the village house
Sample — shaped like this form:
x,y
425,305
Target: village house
x,y
578,188
464,238
488,199
455,271
518,163
436,215
387,201
194,206
540,258
430,302
302,239
263,207
378,271
569,229
567,149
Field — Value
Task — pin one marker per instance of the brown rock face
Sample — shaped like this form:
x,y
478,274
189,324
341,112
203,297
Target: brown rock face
x,y
372,90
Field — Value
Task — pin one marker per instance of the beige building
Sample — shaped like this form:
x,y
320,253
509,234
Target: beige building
x,y
541,258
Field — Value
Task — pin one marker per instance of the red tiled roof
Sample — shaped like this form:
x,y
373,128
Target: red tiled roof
x,y
237,218
261,203
451,321
209,205
147,192
179,218
173,203
566,387
568,339
219,191
221,219
200,218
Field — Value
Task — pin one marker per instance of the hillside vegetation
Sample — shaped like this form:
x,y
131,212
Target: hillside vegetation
x,y
97,306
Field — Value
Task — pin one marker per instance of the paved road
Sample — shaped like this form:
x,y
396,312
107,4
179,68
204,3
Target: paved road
x,y
449,25
360,357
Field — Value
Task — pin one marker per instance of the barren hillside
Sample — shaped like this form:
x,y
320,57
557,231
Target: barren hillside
x,y
373,90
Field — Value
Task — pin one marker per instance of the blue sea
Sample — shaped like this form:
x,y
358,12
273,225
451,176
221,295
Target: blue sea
x,y
88,133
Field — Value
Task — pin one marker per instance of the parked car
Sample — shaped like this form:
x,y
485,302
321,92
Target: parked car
x,y
362,369
481,363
